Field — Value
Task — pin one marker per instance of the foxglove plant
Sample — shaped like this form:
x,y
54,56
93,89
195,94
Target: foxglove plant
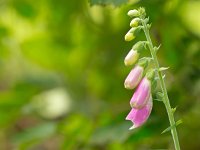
x,y
141,102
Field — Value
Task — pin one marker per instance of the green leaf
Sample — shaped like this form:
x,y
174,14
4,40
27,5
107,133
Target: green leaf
x,y
159,95
148,26
39,132
174,109
163,68
146,20
163,76
156,48
156,99
108,2
169,128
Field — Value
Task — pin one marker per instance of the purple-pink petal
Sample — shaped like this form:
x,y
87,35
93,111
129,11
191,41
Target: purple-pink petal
x,y
134,77
140,116
141,95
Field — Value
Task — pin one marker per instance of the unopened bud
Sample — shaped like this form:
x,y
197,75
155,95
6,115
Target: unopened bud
x,y
135,22
150,74
131,33
133,13
131,58
129,36
139,46
134,77
143,62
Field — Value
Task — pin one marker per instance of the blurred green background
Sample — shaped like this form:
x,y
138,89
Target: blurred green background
x,y
62,74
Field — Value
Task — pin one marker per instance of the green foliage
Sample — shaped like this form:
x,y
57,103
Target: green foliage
x,y
108,2
170,128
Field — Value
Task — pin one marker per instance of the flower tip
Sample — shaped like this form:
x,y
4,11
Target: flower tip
x,y
127,86
129,36
126,62
132,127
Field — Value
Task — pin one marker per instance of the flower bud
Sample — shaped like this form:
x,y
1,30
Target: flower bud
x,y
140,116
135,22
131,58
143,62
133,13
139,46
142,94
150,74
130,35
134,77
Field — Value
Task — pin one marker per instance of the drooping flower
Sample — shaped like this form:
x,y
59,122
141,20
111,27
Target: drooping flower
x,y
142,94
134,77
131,57
140,116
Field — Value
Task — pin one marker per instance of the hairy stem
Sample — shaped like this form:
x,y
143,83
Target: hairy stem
x,y
163,87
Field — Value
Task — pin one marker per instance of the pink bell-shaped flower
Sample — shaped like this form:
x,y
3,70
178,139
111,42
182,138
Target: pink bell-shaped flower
x,y
142,94
134,77
140,116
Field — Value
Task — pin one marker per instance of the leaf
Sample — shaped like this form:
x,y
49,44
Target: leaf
x,y
174,109
110,133
169,128
146,20
159,95
156,48
156,99
108,2
163,68
163,76
148,26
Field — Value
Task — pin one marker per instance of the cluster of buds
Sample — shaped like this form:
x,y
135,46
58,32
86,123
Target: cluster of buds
x,y
141,101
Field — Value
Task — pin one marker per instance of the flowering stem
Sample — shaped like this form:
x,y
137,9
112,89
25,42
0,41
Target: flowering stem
x,y
163,87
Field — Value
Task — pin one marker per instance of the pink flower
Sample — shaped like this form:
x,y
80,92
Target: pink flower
x,y
142,94
134,77
140,116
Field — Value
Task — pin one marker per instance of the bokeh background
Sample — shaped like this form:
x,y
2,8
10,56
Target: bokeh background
x,y
62,74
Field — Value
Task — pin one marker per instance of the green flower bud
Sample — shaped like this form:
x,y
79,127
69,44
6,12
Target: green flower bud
x,y
142,12
135,22
139,46
143,62
133,13
129,36
131,33
150,74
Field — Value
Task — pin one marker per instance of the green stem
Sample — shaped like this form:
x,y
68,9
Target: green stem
x,y
163,87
